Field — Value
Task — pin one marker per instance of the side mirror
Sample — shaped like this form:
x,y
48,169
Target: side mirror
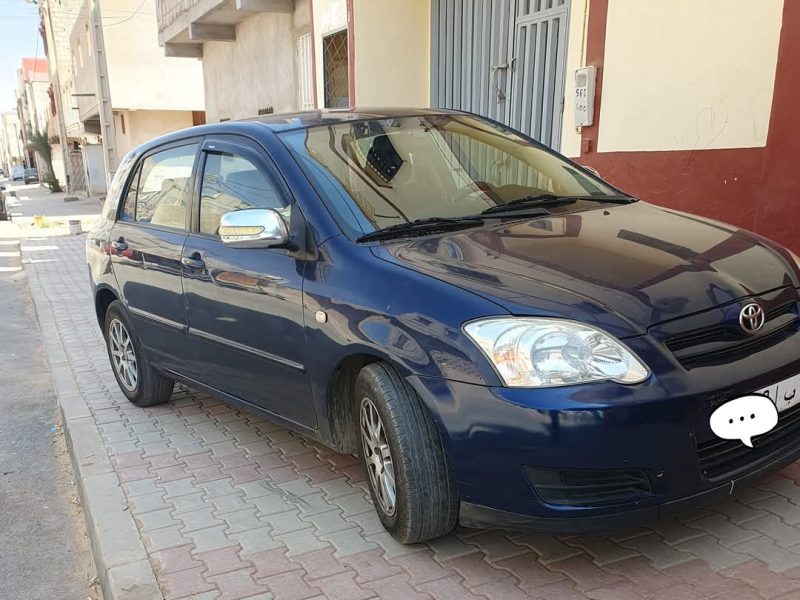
x,y
253,228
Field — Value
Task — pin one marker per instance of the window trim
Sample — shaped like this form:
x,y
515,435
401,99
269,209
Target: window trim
x,y
239,146
137,169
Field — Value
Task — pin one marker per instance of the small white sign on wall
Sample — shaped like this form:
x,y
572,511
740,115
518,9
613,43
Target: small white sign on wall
x,y
584,96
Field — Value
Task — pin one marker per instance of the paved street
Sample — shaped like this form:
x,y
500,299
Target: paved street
x,y
231,506
45,553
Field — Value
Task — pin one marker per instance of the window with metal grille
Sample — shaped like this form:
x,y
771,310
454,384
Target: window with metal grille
x,y
335,64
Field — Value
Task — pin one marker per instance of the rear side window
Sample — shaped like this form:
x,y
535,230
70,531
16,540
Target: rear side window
x,y
232,183
159,190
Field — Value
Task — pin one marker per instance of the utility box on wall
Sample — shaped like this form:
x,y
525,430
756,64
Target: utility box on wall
x,y
584,96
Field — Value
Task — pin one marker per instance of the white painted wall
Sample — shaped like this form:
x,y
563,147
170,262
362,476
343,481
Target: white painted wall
x,y
258,70
393,51
139,75
144,125
688,74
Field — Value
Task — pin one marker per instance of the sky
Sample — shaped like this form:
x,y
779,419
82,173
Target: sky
x,y
18,38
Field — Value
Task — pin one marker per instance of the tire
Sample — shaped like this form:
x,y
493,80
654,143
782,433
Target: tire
x,y
139,381
425,501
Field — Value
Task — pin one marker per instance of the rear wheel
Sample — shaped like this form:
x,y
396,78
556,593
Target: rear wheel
x,y
407,471
138,380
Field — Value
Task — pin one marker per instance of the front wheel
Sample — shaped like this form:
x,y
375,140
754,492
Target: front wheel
x,y
409,477
138,380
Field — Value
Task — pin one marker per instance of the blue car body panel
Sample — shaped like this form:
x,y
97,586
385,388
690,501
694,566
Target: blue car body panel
x,y
406,301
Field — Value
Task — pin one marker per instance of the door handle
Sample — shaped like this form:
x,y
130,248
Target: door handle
x,y
193,262
119,244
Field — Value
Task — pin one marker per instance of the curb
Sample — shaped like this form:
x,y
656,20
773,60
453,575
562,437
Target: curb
x,y
124,571
10,256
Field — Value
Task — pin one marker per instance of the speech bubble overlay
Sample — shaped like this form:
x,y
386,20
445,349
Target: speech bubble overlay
x,y
744,418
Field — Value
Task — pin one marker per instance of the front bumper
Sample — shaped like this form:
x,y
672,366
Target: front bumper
x,y
493,434
475,515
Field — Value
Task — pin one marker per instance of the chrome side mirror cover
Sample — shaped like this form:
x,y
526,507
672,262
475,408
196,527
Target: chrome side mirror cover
x,y
253,228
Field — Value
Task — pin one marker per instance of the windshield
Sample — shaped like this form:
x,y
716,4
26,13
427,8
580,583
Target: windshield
x,y
378,173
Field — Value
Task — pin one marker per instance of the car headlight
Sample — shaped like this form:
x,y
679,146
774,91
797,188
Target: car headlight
x,y
543,352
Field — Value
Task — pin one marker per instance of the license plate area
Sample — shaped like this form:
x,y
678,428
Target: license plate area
x,y
784,394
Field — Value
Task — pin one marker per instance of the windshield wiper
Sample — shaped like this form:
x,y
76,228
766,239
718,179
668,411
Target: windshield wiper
x,y
428,225
547,200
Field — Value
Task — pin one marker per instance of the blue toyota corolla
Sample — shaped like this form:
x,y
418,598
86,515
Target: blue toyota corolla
x,y
503,338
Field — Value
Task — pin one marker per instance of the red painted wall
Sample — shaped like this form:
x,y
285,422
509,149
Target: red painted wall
x,y
778,209
754,188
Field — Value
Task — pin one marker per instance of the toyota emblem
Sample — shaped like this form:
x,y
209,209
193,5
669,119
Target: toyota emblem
x,y
751,318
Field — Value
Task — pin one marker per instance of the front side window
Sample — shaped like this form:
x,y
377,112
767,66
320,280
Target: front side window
x,y
158,193
383,172
231,183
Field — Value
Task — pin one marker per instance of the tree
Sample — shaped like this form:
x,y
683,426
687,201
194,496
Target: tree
x,y
41,145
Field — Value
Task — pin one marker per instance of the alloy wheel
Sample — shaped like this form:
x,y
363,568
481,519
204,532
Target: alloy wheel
x,y
378,457
122,355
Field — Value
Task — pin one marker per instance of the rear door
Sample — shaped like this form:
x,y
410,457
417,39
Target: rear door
x,y
245,305
146,245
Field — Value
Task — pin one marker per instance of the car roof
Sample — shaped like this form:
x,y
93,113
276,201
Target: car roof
x,y
278,123
312,118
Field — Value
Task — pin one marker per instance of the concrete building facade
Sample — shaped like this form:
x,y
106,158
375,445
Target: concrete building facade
x,y
260,37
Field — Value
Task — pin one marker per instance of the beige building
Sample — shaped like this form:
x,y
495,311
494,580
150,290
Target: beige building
x,y
10,142
146,94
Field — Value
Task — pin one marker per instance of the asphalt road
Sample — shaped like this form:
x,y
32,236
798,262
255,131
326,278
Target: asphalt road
x,y
44,552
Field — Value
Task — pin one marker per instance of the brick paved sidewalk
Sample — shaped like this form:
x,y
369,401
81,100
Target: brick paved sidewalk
x,y
231,506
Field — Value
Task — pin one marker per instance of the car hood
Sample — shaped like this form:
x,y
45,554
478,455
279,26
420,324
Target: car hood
x,y
623,268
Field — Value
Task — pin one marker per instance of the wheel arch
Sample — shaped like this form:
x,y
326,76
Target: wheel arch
x,y
340,410
103,298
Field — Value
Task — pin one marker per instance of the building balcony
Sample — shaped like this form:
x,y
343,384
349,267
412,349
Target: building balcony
x,y
183,25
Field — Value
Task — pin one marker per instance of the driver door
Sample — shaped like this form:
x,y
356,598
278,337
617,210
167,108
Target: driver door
x,y
245,305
